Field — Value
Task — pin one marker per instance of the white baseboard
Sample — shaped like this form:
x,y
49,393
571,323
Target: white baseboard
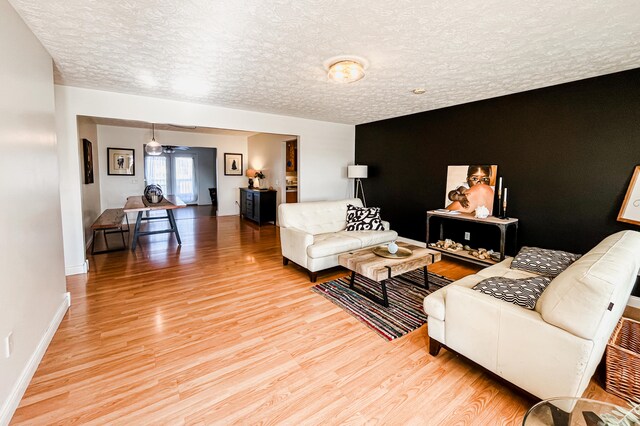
x,y
634,302
410,241
11,404
77,269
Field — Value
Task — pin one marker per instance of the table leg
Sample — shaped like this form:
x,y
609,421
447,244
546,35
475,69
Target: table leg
x,y
136,229
174,227
426,277
385,298
93,242
503,237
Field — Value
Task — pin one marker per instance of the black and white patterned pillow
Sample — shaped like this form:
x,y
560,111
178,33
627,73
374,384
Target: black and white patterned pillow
x,y
523,292
543,261
364,218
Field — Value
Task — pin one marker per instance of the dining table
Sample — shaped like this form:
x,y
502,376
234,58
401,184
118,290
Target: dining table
x,y
139,204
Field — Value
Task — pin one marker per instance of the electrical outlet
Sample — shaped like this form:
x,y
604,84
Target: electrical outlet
x,y
467,236
8,345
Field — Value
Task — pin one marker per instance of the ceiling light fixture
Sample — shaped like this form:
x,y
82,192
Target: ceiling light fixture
x,y
153,147
418,91
345,69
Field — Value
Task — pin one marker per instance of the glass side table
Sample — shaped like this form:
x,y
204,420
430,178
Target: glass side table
x,y
578,412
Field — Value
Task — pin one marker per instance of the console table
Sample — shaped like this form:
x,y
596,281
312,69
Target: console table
x,y
502,224
258,205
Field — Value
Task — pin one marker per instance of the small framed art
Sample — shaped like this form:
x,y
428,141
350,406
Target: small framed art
x,y
87,152
232,164
120,161
630,211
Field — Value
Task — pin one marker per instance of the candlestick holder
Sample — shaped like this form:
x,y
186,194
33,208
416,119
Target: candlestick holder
x,y
504,205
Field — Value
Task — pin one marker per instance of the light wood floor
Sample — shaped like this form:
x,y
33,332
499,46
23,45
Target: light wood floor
x,y
218,331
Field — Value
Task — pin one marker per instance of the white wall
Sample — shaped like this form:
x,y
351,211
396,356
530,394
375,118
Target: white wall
x,y
87,129
266,154
324,148
33,296
116,189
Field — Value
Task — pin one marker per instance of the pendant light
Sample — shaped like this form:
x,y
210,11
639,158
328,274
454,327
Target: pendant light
x,y
153,147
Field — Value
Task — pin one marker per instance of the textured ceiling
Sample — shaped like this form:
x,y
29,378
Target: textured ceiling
x,y
267,55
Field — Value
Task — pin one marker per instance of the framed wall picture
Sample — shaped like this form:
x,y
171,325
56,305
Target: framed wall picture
x,y
470,186
232,164
87,155
630,211
120,161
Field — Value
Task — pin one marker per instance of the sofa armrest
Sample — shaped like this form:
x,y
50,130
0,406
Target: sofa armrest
x,y
517,344
386,225
294,243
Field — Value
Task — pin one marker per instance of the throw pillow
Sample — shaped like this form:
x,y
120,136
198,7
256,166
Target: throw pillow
x,y
543,261
363,218
523,292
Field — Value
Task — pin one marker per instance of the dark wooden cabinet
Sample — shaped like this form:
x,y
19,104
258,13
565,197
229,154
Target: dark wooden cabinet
x,y
259,206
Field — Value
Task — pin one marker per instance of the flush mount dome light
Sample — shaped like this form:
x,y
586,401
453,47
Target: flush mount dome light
x,y
345,69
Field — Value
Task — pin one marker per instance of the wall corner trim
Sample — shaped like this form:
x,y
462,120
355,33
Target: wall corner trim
x,y
11,404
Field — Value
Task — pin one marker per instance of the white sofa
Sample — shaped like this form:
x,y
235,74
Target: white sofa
x,y
313,234
550,351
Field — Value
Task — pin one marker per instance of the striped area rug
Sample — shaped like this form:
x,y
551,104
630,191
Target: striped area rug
x,y
404,313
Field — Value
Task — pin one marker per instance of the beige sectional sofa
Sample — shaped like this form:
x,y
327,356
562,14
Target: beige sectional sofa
x,y
554,349
313,234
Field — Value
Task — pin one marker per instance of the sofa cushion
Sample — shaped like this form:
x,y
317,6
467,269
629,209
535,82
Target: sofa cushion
x,y
332,243
363,218
543,261
316,217
522,292
371,238
578,298
503,269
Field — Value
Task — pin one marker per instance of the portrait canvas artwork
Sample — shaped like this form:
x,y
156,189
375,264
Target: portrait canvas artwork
x,y
87,151
120,161
630,211
469,187
232,164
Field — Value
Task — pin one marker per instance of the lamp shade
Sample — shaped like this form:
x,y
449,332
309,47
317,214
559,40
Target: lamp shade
x,y
153,148
357,172
251,173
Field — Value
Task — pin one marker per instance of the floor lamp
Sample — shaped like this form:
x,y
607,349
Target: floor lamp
x,y
358,173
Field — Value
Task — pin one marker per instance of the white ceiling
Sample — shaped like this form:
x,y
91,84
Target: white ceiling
x,y
267,55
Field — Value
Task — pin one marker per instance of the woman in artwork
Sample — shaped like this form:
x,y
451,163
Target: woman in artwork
x,y
475,192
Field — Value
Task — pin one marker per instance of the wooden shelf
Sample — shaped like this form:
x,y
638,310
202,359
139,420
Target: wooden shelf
x,y
464,255
501,224
492,220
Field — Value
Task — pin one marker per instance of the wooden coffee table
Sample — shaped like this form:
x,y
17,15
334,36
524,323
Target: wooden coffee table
x,y
380,269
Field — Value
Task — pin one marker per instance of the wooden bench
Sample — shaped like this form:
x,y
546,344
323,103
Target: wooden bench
x,y
109,222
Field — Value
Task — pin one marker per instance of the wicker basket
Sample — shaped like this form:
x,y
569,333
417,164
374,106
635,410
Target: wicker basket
x,y
623,360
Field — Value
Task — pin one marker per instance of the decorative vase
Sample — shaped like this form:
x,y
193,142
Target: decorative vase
x,y
153,194
392,247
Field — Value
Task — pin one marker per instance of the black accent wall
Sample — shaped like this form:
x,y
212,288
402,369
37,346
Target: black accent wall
x,y
566,153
